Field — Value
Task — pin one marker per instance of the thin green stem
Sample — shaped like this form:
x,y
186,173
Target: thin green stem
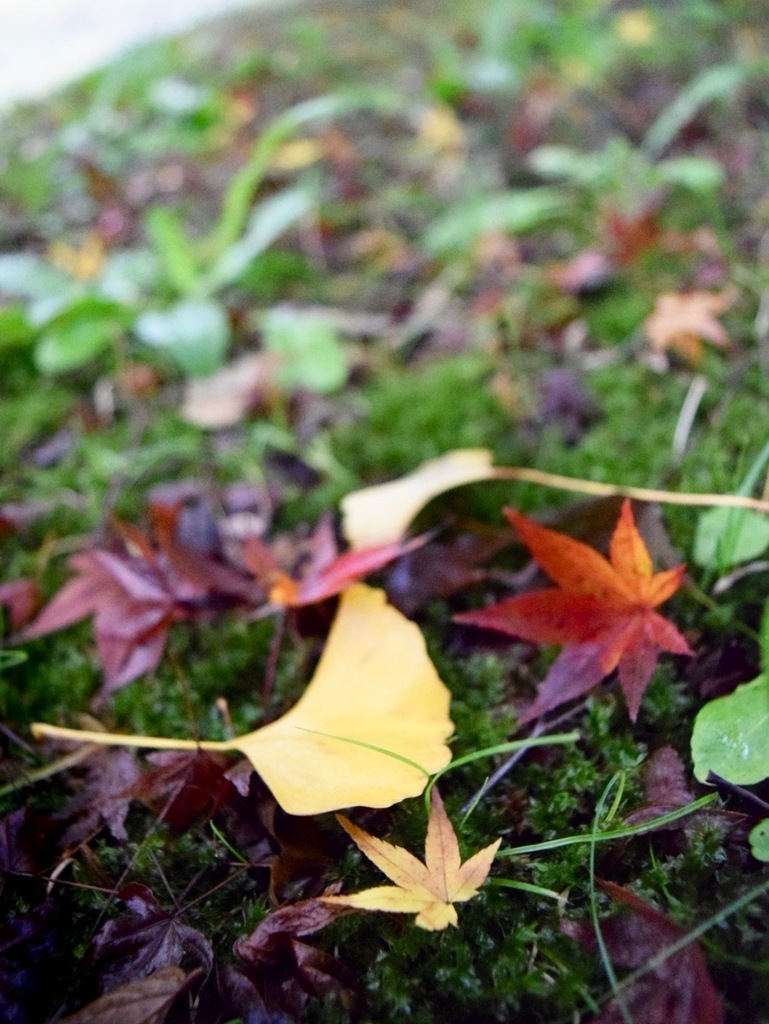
x,y
617,833
618,781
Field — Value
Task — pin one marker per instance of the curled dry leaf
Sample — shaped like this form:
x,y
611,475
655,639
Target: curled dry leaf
x,y
227,396
602,610
381,514
428,890
142,1001
682,321
370,728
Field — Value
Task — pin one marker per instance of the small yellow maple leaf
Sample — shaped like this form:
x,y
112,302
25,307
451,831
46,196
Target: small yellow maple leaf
x,y
85,262
635,27
428,890
681,321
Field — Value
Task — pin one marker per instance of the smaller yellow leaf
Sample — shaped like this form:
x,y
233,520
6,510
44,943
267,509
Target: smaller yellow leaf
x,y
635,27
84,262
299,153
440,131
381,514
431,889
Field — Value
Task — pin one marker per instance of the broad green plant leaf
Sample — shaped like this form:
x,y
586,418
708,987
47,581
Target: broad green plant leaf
x,y
15,328
727,537
79,332
195,333
428,889
562,162
130,274
698,174
731,735
25,276
308,350
370,728
271,218
516,211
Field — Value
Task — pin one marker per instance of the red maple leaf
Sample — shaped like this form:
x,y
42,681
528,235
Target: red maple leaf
x,y
327,573
602,610
136,594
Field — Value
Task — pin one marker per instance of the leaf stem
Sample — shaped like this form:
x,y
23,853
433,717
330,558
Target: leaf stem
x,y
41,730
569,483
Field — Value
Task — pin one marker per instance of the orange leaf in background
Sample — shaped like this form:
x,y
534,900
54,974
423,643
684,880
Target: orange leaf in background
x,y
428,890
602,610
681,321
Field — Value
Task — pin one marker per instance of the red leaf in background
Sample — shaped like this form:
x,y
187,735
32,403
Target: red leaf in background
x,y
678,991
602,610
103,801
136,596
664,780
21,598
327,574
132,608
26,843
185,787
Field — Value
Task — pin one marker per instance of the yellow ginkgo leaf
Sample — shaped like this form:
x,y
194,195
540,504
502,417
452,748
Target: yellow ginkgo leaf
x,y
381,514
369,729
428,890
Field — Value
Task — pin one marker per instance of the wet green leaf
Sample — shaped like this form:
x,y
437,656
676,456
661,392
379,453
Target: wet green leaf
x,y
731,735
759,840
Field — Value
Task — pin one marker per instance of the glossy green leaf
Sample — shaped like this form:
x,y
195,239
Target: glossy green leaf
x,y
69,345
567,164
15,328
26,276
195,334
759,840
731,735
